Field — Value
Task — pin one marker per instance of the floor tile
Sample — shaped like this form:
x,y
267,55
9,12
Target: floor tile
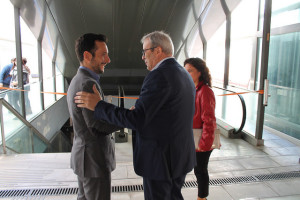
x,y
284,143
286,160
285,151
120,172
258,163
251,172
249,190
217,193
284,169
286,187
294,197
224,166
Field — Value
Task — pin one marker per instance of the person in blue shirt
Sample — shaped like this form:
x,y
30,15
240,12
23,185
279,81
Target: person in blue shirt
x,y
5,76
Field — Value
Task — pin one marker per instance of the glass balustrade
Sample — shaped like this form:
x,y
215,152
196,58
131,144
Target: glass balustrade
x,y
19,137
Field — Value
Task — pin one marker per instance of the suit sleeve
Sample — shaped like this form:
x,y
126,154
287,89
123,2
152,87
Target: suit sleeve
x,y
152,99
96,126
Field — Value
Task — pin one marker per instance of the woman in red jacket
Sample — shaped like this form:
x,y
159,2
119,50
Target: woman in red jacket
x,y
204,121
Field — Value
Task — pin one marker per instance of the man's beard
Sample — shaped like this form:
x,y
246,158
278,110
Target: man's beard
x,y
98,70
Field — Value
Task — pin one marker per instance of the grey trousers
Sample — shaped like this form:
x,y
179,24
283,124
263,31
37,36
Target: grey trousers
x,y
94,188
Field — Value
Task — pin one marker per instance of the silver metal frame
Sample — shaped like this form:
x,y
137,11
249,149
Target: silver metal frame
x,y
19,57
263,69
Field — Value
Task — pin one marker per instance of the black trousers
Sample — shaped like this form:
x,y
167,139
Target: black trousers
x,y
163,190
201,173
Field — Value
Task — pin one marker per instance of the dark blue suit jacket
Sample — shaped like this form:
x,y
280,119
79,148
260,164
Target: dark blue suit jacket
x,y
163,120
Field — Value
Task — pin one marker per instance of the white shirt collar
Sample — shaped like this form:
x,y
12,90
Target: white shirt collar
x,y
157,65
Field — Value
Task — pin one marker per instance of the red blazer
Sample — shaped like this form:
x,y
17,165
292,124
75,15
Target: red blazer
x,y
204,117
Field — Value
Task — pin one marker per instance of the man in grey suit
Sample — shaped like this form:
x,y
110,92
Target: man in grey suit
x,y
93,151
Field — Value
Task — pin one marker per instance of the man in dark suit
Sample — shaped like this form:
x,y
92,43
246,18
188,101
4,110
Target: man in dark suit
x,y
164,150
93,151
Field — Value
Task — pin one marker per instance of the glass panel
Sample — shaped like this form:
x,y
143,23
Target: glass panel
x,y
261,15
47,65
258,62
182,56
48,79
49,87
216,55
21,140
29,51
243,43
282,112
18,137
7,36
59,83
33,102
14,99
39,145
196,46
251,100
228,108
59,86
212,18
11,122
285,12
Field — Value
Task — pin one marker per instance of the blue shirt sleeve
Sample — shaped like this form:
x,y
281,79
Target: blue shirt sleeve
x,y
4,72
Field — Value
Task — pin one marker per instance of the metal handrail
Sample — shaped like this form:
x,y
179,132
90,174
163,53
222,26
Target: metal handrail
x,y
20,117
243,108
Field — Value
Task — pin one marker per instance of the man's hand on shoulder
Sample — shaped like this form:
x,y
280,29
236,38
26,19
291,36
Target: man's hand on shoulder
x,y
88,100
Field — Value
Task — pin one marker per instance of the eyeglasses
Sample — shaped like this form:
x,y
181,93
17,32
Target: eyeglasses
x,y
144,50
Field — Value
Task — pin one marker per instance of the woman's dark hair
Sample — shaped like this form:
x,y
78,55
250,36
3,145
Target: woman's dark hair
x,y
200,65
87,43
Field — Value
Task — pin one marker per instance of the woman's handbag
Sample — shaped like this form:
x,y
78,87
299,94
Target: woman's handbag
x,y
217,143
197,136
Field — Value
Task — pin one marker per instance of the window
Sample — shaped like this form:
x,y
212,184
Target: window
x,y
243,44
216,55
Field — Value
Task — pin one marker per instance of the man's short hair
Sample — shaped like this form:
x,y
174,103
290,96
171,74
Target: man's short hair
x,y
162,39
87,43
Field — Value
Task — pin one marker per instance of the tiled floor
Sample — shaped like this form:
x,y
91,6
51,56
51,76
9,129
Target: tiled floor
x,y
235,159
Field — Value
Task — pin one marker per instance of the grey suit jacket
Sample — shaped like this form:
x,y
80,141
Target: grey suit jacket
x,y
93,151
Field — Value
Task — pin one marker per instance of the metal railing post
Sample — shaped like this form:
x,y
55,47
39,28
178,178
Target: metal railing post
x,y
2,129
